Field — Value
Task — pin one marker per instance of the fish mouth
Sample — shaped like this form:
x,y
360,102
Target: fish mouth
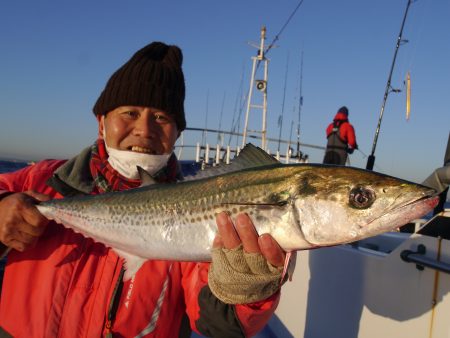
x,y
429,198
430,195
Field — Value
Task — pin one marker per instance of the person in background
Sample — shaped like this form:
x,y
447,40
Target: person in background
x,y
58,283
341,139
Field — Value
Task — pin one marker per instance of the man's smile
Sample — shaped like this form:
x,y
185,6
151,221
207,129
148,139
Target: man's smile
x,y
139,149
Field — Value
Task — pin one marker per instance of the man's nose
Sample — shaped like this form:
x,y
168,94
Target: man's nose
x,y
146,126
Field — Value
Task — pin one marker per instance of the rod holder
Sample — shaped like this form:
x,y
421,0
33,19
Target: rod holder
x,y
422,261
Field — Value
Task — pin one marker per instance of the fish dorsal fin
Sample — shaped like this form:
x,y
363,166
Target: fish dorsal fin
x,y
145,177
250,157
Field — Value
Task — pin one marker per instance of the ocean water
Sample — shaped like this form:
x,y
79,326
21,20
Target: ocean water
x,y
7,166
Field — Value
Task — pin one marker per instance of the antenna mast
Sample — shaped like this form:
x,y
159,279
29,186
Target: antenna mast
x,y
261,85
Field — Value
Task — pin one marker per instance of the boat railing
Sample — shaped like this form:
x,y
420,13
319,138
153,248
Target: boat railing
x,y
210,147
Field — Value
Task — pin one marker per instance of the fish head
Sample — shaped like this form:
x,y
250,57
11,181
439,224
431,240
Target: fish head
x,y
338,205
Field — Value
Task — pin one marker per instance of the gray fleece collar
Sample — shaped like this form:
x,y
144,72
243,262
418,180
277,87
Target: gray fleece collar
x,y
75,174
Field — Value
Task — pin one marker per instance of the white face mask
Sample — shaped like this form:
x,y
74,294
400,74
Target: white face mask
x,y
126,162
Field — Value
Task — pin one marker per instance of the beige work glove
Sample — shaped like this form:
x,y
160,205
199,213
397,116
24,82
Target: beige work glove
x,y
237,277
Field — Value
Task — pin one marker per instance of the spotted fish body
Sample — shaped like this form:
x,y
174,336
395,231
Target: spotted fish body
x,y
302,206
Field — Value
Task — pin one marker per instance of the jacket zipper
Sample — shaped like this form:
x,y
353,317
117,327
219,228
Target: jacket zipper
x,y
114,304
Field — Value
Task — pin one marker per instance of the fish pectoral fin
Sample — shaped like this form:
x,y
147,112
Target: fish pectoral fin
x,y
132,263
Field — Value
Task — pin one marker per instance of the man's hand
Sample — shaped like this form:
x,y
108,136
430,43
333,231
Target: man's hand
x,y
20,221
231,237
245,268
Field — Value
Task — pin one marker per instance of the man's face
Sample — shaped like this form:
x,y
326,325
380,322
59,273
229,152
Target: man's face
x,y
140,129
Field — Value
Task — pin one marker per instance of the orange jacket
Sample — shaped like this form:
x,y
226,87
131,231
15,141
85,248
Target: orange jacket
x,y
63,286
346,130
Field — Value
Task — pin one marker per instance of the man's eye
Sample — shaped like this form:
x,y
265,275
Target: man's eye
x,y
131,114
161,118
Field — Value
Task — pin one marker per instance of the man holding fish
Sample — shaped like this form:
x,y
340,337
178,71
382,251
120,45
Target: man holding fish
x,y
59,283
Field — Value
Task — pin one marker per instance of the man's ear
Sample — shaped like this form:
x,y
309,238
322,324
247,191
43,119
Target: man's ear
x,y
101,125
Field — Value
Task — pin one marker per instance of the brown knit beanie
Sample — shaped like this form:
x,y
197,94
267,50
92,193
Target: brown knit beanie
x,y
153,77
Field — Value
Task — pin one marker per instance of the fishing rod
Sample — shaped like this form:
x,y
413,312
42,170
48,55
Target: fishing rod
x,y
280,118
300,104
371,158
220,136
238,107
282,28
205,130
366,156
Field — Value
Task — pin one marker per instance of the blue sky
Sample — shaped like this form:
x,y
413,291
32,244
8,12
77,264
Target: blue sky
x,y
56,57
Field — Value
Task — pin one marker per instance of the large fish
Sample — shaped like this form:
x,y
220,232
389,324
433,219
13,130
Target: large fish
x,y
302,206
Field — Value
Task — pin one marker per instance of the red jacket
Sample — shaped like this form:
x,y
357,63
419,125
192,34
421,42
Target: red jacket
x,y
63,286
346,130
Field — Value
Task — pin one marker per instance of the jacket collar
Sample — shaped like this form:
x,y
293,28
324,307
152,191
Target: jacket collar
x,y
74,177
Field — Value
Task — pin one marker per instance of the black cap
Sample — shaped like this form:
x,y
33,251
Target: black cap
x,y
343,110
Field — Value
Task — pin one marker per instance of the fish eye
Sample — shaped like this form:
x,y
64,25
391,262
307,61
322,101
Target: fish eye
x,y
361,197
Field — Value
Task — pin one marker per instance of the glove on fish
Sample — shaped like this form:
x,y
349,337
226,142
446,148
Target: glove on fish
x,y
237,277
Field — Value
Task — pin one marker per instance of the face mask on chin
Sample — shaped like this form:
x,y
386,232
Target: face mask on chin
x,y
126,162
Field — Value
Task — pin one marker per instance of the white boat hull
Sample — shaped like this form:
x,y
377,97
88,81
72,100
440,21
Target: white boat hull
x,y
367,291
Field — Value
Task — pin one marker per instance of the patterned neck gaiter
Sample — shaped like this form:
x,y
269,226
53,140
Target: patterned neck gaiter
x,y
107,179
